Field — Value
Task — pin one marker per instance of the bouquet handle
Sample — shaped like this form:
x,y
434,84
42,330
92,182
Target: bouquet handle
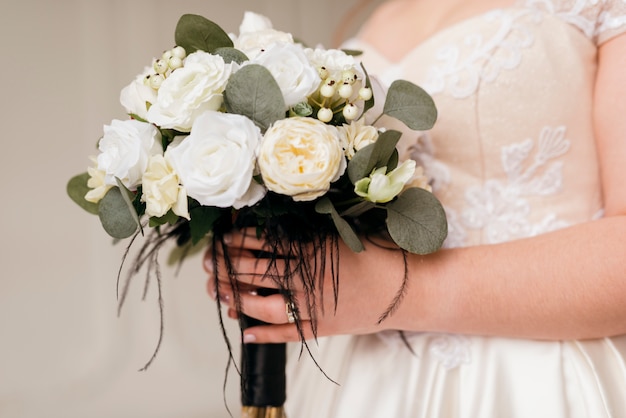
x,y
263,378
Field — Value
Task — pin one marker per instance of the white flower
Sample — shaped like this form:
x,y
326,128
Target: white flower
x,y
138,96
380,187
161,189
125,149
356,136
290,67
190,91
216,162
300,157
256,34
335,62
96,183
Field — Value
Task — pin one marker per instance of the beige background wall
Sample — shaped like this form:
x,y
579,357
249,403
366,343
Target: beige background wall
x,y
63,351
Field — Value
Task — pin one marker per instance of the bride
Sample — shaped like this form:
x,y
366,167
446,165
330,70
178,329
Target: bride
x,y
522,314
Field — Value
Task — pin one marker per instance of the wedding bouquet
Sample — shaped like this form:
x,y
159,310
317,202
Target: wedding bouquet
x,y
258,130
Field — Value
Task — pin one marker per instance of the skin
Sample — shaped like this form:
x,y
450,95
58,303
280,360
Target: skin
x,y
568,284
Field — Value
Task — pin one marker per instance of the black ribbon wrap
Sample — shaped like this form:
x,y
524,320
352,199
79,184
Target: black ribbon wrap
x,y
263,378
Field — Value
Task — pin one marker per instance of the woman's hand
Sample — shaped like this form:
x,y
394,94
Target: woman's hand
x,y
367,287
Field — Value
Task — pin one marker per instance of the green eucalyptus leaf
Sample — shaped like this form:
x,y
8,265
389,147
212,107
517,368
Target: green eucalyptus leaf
x,y
411,105
116,217
230,54
253,92
378,154
194,32
169,218
347,234
202,220
416,221
129,199
77,189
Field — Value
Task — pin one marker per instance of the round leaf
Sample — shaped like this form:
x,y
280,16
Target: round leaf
x,y
194,32
411,105
77,189
417,222
115,215
231,54
253,92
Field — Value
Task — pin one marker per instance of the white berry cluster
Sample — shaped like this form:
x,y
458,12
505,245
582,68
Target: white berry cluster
x,y
171,60
338,95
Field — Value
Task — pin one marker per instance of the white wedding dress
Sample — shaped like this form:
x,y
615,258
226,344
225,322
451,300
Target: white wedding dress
x,y
512,155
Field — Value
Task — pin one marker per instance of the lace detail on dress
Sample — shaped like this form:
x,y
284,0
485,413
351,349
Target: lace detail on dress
x,y
502,208
451,350
594,18
459,73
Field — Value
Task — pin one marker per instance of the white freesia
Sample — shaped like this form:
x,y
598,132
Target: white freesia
x,y
96,183
190,91
381,187
256,34
124,151
162,190
138,96
216,162
295,76
356,136
301,157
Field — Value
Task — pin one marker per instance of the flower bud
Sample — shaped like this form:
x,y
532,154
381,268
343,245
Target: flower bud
x,y
160,66
365,93
156,80
325,114
179,52
175,63
345,90
327,90
348,76
350,111
323,72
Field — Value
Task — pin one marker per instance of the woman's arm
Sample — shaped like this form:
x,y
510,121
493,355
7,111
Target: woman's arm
x,y
567,284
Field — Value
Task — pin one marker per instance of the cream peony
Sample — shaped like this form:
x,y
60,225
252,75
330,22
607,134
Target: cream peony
x,y
290,67
381,187
300,157
125,149
161,189
190,91
256,34
216,162
138,96
356,136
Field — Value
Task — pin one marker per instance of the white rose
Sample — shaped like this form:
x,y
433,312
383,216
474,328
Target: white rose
x,y
216,162
335,61
135,96
381,187
162,190
190,91
256,33
356,136
301,157
295,76
125,149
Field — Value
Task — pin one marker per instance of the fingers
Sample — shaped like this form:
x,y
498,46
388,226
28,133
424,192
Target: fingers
x,y
277,333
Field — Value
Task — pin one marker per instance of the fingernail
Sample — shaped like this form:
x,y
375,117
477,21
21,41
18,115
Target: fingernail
x,y
225,298
208,265
212,293
228,238
249,338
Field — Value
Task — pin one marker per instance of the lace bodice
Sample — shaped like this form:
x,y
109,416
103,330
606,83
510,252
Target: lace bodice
x,y
513,152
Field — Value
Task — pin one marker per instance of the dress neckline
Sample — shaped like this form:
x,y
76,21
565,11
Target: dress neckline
x,y
390,62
